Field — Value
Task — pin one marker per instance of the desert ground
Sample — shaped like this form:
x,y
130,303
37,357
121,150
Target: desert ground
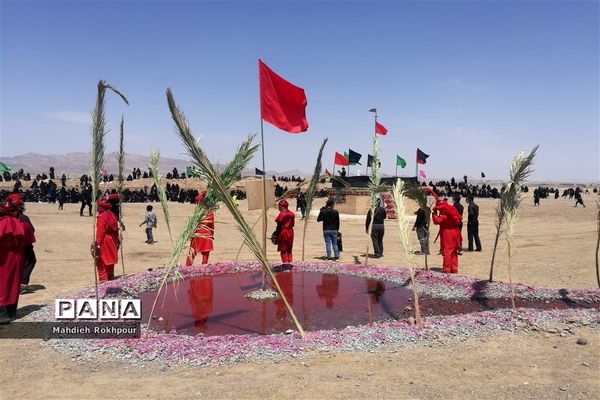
x,y
555,248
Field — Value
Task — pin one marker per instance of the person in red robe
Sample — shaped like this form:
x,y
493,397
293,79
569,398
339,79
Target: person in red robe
x,y
202,241
448,218
106,246
285,231
15,234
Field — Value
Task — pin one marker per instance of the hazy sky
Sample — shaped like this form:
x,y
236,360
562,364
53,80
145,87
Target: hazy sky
x,y
469,83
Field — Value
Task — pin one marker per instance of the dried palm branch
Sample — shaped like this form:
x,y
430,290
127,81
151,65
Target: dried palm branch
x,y
521,168
216,183
598,241
375,188
97,153
309,195
160,189
398,194
120,182
416,193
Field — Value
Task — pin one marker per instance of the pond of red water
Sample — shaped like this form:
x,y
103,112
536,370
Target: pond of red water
x,y
215,305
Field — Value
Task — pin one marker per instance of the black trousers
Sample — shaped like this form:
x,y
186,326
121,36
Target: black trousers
x,y
30,261
473,234
377,232
86,203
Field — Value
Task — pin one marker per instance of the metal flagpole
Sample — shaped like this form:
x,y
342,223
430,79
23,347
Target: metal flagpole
x,y
264,187
416,168
264,198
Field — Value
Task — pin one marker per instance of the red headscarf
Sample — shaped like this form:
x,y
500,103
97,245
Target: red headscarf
x,y
200,197
12,203
104,204
283,204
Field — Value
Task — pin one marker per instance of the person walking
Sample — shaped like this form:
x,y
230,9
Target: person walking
x,y
473,224
86,199
285,231
422,229
151,223
301,204
578,198
331,225
378,229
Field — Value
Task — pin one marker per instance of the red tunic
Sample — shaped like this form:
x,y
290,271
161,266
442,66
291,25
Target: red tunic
x,y
14,236
450,237
285,224
205,234
107,237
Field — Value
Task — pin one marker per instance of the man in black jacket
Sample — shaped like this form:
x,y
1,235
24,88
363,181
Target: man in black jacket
x,y
378,229
331,226
473,224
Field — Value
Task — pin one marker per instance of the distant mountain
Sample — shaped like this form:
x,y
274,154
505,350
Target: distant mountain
x,y
79,163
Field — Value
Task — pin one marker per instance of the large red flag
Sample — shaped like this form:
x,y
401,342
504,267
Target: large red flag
x,y
340,159
281,103
380,129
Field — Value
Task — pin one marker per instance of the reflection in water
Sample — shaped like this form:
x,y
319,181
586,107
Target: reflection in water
x,y
286,283
328,289
200,296
216,305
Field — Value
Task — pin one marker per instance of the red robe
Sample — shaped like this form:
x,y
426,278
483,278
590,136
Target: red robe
x,y
285,225
205,234
14,236
450,237
107,237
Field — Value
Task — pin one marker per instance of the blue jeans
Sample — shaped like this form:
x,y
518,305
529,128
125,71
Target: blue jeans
x,y
331,239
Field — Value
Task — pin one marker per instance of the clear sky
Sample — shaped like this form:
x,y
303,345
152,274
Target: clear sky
x,y
469,83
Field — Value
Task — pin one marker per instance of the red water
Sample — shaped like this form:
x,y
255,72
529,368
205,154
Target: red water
x,y
217,306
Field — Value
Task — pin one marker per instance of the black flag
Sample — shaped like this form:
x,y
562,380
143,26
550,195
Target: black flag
x,y
421,157
258,172
482,174
370,161
354,157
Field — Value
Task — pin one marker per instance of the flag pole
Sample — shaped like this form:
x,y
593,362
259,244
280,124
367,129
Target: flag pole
x,y
264,202
396,168
416,168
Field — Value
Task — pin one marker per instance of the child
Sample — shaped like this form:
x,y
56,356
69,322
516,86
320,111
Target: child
x,y
150,222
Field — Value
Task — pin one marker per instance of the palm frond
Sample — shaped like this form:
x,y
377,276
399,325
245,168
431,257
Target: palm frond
x,y
162,195
375,188
97,157
597,241
217,184
309,195
398,193
120,172
521,168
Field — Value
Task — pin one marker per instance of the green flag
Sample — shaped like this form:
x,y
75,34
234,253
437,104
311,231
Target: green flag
x,y
4,167
350,162
400,161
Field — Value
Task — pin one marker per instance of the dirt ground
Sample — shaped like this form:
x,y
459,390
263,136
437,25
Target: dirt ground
x,y
555,248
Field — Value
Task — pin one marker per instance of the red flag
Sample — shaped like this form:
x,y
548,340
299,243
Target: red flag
x,y
340,159
281,103
422,174
327,172
380,129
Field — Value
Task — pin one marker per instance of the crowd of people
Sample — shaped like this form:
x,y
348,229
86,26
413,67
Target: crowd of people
x,y
17,257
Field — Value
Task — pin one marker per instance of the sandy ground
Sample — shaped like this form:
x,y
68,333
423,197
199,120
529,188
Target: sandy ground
x,y
555,248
